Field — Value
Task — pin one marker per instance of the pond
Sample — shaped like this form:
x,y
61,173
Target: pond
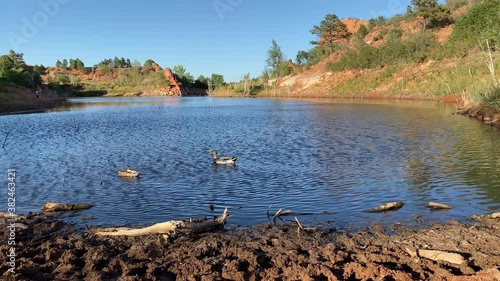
x,y
330,159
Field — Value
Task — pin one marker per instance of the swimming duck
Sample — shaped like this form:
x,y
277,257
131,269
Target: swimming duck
x,y
223,160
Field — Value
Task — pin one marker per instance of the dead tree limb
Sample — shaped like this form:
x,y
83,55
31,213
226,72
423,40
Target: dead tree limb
x,y
59,207
170,228
5,139
437,206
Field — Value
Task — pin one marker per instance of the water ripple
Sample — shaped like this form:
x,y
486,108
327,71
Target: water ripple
x,y
338,158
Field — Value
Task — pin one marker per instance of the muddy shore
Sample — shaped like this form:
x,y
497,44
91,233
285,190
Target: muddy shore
x,y
51,249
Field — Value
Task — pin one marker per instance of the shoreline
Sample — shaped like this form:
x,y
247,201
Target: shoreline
x,y
51,249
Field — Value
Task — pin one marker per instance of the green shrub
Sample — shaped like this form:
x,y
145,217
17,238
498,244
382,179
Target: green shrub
x,y
490,97
395,34
413,50
455,4
481,22
362,31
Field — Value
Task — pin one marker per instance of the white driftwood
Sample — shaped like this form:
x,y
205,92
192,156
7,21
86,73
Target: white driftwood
x,y
392,206
170,228
436,206
5,215
436,255
58,207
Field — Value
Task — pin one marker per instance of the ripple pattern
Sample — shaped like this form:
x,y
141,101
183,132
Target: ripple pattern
x,y
332,160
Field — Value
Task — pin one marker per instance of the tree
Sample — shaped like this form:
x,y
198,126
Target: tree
x,y
64,63
434,15
302,58
13,69
185,77
246,84
17,59
201,82
80,66
148,64
58,63
117,62
329,31
217,80
276,62
128,64
38,71
72,64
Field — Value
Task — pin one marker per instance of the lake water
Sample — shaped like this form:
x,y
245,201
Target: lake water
x,y
330,158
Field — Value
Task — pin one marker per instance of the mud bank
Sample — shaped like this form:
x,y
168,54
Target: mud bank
x,y
487,115
55,250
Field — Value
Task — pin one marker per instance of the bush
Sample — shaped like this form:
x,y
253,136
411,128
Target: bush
x,y
490,97
414,50
455,4
362,31
481,22
395,34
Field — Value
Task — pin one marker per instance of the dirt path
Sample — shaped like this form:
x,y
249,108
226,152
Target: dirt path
x,y
54,250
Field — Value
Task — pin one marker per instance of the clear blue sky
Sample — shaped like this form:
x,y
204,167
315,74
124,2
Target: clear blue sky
x,y
229,37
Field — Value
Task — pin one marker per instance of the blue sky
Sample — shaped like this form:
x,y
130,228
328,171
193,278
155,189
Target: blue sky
x,y
228,37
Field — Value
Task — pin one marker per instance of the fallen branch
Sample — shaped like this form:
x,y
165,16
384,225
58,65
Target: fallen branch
x,y
59,207
392,206
170,228
5,215
436,255
438,206
5,140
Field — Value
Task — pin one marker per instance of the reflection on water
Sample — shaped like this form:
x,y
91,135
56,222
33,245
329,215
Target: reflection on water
x,y
330,156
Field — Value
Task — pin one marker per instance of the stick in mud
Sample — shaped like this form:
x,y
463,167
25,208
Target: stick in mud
x,y
5,140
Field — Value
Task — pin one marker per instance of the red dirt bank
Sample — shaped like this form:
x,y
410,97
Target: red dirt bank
x,y
24,101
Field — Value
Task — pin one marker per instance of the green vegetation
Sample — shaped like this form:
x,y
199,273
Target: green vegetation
x,y
329,31
415,49
276,64
481,22
114,63
14,70
434,14
183,76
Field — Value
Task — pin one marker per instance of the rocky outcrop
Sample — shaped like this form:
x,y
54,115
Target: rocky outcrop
x,y
175,86
155,67
353,25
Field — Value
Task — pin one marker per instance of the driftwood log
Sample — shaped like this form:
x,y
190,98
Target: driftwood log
x,y
5,215
392,206
60,207
436,255
170,228
438,206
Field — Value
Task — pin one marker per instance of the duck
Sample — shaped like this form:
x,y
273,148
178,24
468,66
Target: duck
x,y
229,160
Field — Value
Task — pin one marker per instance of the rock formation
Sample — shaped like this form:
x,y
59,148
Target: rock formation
x,y
175,86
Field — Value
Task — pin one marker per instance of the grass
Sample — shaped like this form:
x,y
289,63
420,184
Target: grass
x,y
489,97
